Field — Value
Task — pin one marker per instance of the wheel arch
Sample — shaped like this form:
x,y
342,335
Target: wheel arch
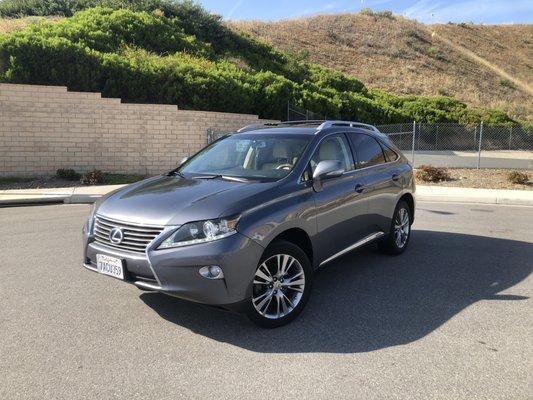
x,y
410,200
298,237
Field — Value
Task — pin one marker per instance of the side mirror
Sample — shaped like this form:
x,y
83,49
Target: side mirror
x,y
182,161
326,169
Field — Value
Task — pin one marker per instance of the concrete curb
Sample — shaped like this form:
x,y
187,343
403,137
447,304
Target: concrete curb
x,y
470,195
74,195
88,195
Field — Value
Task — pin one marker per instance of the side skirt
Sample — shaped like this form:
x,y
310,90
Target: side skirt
x,y
362,242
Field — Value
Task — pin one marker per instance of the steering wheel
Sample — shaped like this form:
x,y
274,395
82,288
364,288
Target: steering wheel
x,y
284,166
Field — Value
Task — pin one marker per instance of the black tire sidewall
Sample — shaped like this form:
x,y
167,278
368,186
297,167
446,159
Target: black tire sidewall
x,y
283,247
388,245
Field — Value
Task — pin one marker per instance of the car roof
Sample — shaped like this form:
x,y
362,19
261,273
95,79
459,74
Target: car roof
x,y
311,130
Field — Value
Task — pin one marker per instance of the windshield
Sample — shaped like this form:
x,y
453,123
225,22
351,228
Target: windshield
x,y
252,156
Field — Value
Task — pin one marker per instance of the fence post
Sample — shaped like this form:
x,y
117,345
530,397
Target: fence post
x,y
288,110
413,148
436,135
510,136
479,147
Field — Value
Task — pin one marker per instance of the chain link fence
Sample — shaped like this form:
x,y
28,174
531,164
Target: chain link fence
x,y
295,113
455,145
464,146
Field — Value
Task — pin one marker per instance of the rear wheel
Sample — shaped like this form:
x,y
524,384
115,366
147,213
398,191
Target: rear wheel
x,y
400,231
281,285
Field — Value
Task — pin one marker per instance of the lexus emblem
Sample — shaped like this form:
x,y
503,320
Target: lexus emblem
x,y
116,236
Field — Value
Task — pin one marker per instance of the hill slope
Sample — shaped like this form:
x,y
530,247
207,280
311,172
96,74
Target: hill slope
x,y
406,57
177,53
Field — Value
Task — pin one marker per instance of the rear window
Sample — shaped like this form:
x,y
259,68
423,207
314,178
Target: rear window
x,y
368,150
390,154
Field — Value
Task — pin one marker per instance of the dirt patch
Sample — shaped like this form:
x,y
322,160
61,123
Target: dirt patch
x,y
482,178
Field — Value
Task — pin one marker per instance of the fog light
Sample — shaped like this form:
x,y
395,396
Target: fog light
x,y
211,272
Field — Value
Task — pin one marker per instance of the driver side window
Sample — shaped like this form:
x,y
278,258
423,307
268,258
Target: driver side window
x,y
334,147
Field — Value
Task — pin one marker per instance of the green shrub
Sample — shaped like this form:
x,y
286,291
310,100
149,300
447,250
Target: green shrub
x,y
163,51
518,177
376,14
427,173
67,174
95,177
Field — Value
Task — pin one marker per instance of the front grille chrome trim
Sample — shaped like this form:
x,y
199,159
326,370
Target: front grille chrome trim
x,y
137,237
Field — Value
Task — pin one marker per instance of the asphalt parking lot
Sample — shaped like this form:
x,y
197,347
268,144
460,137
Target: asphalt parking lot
x,y
451,318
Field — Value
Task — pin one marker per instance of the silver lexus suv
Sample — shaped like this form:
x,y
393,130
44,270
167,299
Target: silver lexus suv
x,y
245,223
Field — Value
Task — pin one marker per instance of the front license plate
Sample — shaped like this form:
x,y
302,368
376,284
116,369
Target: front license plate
x,y
110,266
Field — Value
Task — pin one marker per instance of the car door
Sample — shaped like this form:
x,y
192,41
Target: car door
x,y
383,183
339,206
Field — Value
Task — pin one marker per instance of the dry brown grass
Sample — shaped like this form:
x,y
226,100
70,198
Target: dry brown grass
x,y
428,173
13,24
404,57
481,179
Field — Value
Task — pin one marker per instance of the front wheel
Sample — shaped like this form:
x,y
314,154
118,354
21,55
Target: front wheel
x,y
281,285
400,231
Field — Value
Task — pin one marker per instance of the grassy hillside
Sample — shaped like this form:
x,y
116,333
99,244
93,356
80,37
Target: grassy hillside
x,y
178,53
406,57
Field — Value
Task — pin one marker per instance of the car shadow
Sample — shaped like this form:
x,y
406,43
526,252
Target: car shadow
x,y
367,301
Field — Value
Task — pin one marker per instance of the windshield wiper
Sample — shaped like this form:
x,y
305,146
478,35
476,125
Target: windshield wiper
x,y
225,177
176,173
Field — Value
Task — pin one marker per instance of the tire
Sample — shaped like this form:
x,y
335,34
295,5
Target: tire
x,y
277,297
400,225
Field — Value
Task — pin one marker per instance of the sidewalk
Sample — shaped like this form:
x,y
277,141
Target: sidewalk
x,y
470,195
88,194
84,194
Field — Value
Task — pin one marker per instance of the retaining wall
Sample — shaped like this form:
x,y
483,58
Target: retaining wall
x,y
43,128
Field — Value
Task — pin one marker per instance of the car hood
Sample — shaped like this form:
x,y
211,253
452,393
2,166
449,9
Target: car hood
x,y
173,200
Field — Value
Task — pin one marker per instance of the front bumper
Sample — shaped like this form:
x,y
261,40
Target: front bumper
x,y
175,271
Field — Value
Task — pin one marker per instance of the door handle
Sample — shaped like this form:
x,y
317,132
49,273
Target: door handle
x,y
359,188
395,177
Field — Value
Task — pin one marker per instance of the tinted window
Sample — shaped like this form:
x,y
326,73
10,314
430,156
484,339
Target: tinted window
x,y
368,150
334,148
390,154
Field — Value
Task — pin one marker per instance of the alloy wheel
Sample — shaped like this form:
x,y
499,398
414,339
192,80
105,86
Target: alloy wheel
x,y
278,286
402,227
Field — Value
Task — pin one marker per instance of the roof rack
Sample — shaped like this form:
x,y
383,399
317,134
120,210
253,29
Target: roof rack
x,y
352,124
321,124
252,127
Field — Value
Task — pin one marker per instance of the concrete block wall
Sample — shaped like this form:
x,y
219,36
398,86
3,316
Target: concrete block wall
x,y
43,128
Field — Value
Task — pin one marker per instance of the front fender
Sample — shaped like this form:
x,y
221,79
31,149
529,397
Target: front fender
x,y
294,209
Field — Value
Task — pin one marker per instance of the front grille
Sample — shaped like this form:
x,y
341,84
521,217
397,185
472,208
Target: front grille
x,y
135,237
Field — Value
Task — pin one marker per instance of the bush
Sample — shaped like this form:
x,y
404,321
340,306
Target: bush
x,y
427,173
183,55
67,174
518,177
95,177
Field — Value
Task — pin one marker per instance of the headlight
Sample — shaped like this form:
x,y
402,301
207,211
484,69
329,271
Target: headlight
x,y
201,232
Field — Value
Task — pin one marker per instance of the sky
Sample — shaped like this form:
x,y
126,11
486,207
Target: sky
x,y
427,11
